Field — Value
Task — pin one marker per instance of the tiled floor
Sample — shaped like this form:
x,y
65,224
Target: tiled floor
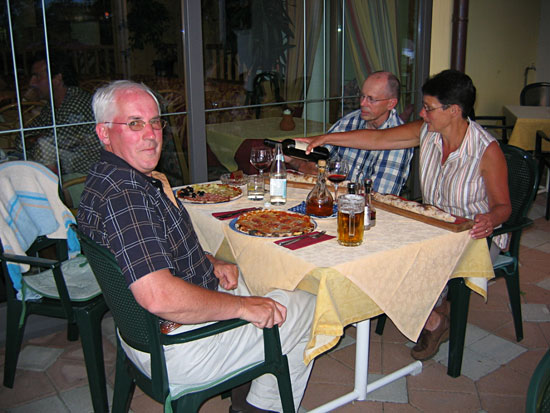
x,y
51,376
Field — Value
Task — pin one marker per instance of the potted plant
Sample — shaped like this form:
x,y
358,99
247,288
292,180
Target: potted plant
x,y
147,22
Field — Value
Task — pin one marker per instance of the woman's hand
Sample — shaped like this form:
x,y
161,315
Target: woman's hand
x,y
483,226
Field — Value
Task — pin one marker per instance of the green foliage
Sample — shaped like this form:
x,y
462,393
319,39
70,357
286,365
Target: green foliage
x,y
147,20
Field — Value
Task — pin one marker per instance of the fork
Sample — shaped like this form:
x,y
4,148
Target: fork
x,y
301,237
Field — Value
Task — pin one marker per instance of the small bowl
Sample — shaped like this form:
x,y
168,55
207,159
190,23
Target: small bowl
x,y
226,179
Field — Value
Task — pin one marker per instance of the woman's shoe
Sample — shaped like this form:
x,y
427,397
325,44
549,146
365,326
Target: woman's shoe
x,y
429,341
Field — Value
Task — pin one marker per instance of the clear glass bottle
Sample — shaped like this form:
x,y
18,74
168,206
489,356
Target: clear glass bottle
x,y
319,201
370,210
277,178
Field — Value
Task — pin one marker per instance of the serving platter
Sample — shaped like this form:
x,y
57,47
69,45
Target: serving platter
x,y
461,224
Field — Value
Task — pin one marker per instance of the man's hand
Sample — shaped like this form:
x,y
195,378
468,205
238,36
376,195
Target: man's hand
x,y
262,312
313,142
227,273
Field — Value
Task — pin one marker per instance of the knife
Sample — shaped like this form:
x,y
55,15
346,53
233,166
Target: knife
x,y
234,213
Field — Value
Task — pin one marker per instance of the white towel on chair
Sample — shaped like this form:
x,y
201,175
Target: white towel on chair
x,y
29,207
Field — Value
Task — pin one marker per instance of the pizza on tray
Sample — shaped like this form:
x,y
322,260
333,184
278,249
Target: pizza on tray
x,y
208,193
416,207
274,223
301,178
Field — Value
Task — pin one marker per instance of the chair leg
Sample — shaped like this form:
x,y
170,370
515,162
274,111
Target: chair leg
x,y
380,323
285,388
89,322
72,331
124,384
14,338
460,300
512,284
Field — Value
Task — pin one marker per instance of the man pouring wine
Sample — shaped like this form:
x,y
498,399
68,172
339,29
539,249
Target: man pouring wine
x,y
388,169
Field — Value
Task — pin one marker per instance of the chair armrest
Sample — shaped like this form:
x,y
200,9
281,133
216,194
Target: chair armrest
x,y
37,261
202,332
524,223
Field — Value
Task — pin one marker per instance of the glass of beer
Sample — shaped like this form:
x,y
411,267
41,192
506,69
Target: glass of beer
x,y
351,218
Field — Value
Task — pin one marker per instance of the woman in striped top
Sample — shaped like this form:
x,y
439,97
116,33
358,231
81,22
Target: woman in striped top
x,y
462,170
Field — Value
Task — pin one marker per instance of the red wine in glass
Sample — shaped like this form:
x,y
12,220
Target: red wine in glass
x,y
336,178
261,166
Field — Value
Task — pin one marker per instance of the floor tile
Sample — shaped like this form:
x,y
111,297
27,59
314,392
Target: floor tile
x,y
37,358
439,401
545,284
395,392
535,312
497,349
29,386
47,405
78,399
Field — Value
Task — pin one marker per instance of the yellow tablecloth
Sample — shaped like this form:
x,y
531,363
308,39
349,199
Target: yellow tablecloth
x,y
400,269
527,119
225,138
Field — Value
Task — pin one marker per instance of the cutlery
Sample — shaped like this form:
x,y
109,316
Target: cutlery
x,y
301,237
234,213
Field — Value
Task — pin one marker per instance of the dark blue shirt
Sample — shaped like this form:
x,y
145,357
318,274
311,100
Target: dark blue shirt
x,y
129,213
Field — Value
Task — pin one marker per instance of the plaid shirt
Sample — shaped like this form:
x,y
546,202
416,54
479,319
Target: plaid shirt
x,y
78,145
387,169
129,213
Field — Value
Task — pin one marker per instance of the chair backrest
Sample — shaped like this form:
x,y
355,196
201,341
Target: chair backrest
x,y
132,320
522,181
535,94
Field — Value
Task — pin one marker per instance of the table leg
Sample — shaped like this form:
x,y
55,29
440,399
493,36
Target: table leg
x,y
361,389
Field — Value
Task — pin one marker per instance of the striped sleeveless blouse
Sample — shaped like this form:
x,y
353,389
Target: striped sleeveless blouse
x,y
456,186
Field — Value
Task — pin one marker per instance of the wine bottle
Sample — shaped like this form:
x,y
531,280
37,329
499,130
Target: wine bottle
x,y
319,201
277,178
370,211
297,149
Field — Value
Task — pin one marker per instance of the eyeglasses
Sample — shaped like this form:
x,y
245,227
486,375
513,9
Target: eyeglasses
x,y
137,125
429,109
372,100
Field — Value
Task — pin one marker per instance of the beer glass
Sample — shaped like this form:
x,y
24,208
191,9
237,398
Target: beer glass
x,y
351,216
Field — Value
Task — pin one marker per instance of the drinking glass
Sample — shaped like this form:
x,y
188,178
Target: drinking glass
x,y
261,157
351,218
337,172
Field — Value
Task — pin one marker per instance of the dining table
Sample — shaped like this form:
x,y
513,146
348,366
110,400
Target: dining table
x,y
225,138
400,269
527,120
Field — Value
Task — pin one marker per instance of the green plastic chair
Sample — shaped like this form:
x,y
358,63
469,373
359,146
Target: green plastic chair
x,y
67,287
523,181
84,314
141,330
538,393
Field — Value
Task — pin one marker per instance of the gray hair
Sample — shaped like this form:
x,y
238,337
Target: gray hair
x,y
103,102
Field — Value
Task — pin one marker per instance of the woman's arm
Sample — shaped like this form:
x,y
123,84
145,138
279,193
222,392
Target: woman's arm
x,y
400,137
494,171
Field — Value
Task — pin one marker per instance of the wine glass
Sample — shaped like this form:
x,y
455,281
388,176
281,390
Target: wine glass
x,y
337,172
261,157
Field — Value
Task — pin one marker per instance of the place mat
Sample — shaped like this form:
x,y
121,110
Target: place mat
x,y
305,241
301,209
232,214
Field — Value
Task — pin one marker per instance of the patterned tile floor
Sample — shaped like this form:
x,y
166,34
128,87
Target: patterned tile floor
x,y
51,376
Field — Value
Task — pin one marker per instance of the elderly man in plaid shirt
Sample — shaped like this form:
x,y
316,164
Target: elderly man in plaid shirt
x,y
388,169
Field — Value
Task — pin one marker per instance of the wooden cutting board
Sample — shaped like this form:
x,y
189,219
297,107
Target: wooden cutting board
x,y
461,224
